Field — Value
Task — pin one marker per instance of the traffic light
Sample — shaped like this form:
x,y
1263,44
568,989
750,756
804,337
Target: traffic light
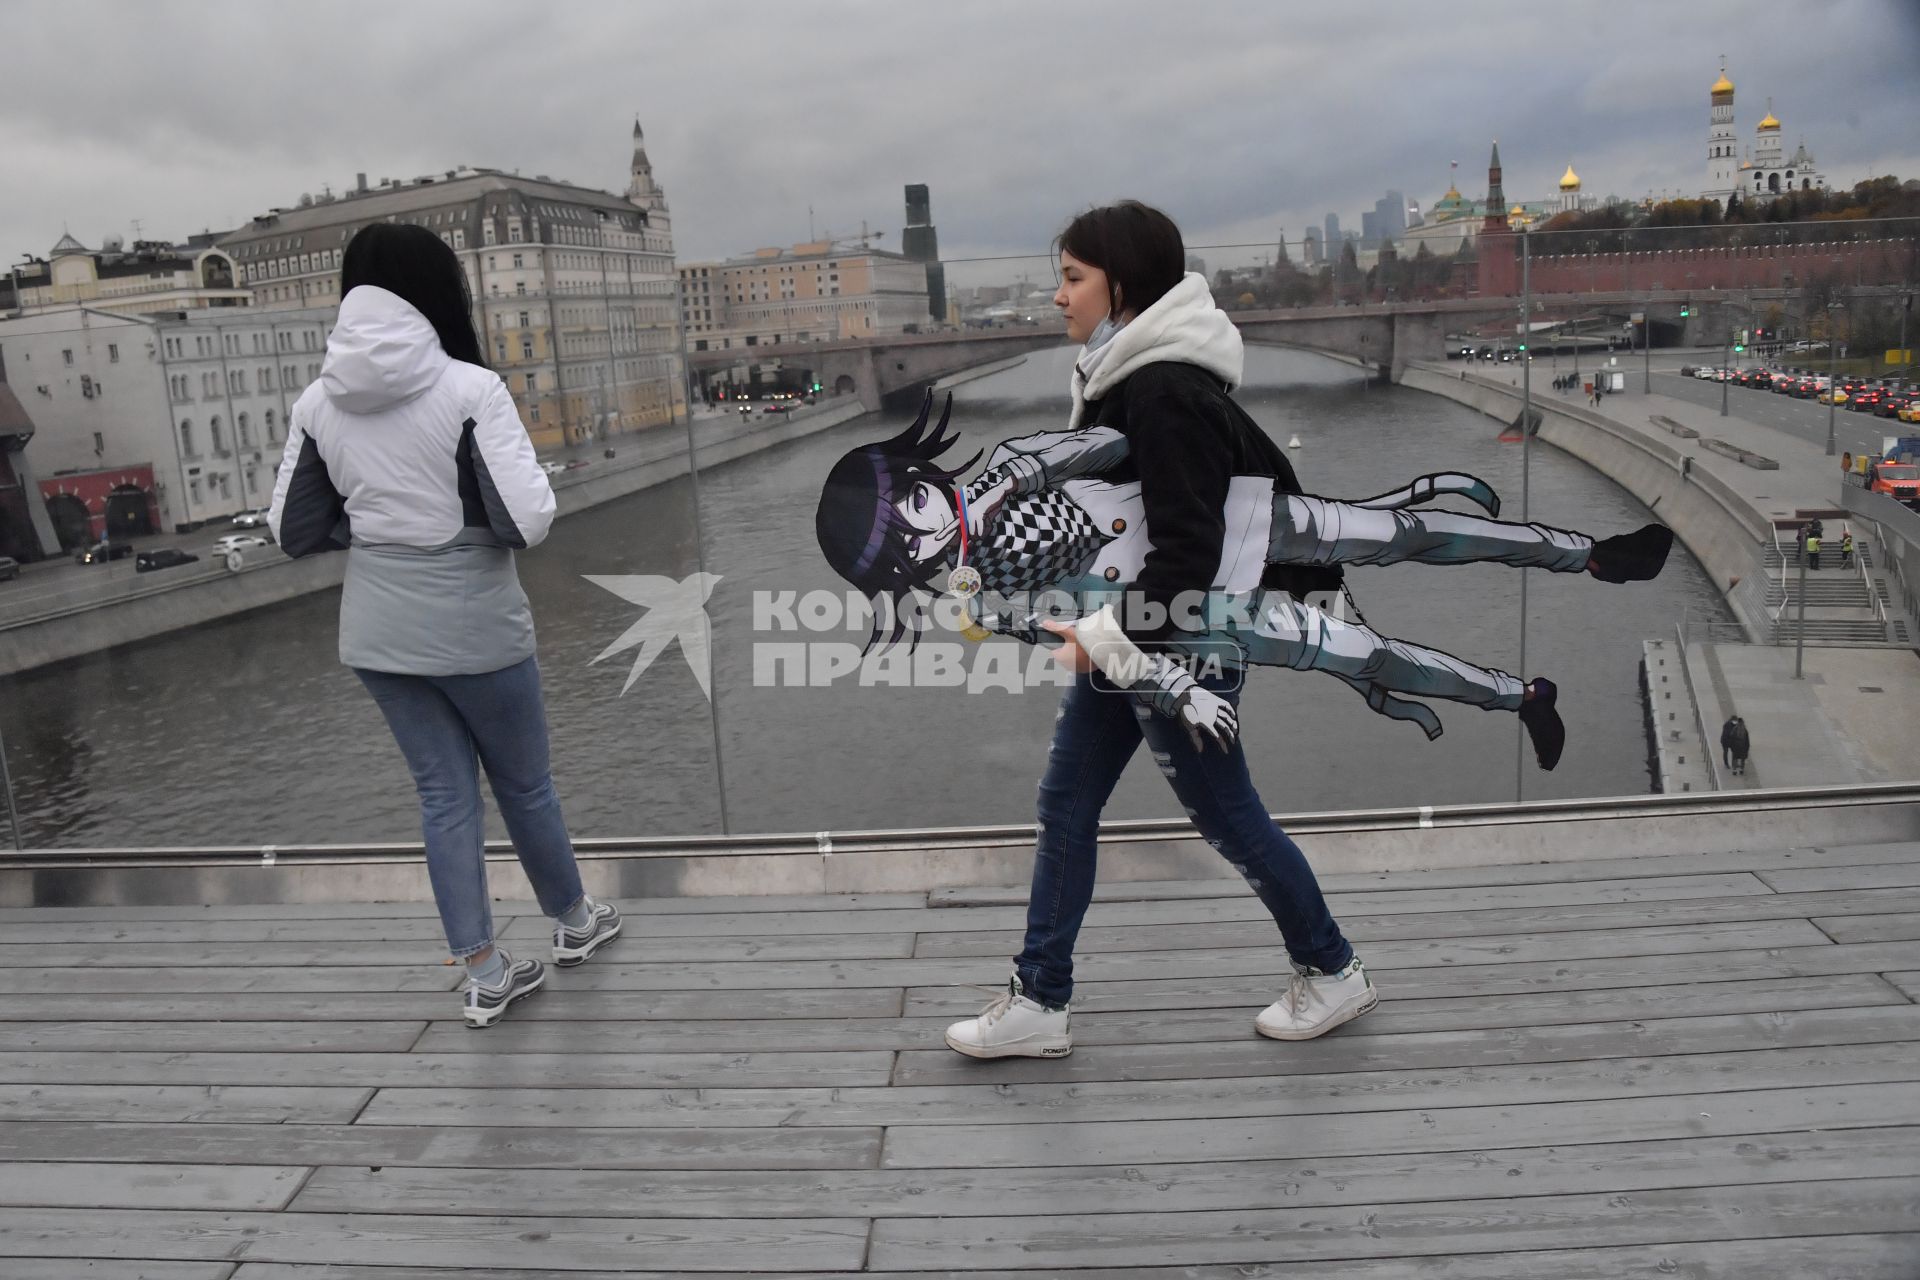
x,y
1686,309
1738,347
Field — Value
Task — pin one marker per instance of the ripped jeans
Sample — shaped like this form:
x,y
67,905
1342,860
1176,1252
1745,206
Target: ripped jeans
x,y
1094,736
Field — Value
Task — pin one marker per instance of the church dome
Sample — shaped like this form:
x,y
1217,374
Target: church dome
x,y
1722,85
1569,181
1769,123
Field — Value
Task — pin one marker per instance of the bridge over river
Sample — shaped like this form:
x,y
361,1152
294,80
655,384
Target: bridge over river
x,y
1383,337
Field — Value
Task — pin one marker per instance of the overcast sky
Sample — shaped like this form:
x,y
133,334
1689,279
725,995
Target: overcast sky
x,y
1240,117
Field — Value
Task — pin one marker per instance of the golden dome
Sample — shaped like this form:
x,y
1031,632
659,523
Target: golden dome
x,y
1769,123
1569,181
1722,85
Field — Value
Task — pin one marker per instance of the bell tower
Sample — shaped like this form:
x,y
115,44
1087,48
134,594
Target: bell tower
x,y
642,190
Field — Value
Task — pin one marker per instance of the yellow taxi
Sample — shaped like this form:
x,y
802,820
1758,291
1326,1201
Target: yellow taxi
x,y
1835,396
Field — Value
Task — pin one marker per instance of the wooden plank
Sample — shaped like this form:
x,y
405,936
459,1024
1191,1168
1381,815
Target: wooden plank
x,y
148,1186
47,932
1070,1191
632,908
988,1104
567,1070
1334,882
1884,1256
1248,1054
1884,875
1370,928
259,1037
1422,1130
452,1146
816,976
1361,1230
1485,981
1240,906
556,1245
1907,983
1196,1021
114,1269
1892,927
419,977
235,1104
739,1000
262,956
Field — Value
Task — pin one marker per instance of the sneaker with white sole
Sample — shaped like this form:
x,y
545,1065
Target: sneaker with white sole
x,y
487,1005
1318,1002
576,946
1013,1027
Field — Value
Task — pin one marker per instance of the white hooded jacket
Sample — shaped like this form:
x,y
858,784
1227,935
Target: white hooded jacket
x,y
412,446
418,462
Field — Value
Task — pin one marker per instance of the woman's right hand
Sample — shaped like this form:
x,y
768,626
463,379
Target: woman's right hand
x,y
1207,717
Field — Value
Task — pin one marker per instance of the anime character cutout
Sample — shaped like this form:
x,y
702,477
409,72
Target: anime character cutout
x,y
1056,512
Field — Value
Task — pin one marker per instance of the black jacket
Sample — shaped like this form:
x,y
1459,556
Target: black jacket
x,y
1187,438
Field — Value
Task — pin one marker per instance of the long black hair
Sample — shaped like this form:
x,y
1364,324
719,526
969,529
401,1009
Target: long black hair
x,y
417,265
1137,246
862,532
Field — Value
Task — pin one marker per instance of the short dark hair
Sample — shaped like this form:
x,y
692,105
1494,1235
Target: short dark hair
x,y
1136,245
420,268
861,533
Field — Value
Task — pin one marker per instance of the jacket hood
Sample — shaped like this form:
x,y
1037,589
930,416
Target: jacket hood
x,y
1184,326
382,352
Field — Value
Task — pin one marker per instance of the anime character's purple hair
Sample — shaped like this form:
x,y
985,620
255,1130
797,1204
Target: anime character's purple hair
x,y
862,532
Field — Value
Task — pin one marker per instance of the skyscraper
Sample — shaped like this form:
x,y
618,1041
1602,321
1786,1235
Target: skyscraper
x,y
921,242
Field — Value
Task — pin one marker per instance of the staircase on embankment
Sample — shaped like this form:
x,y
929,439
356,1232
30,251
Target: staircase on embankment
x,y
1844,606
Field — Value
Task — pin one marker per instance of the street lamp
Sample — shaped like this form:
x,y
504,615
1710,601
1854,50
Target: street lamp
x,y
1832,386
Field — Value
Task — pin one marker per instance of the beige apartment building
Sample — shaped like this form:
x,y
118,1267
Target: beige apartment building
x,y
573,288
151,277
814,292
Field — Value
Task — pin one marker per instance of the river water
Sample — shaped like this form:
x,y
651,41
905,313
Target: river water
x,y
247,730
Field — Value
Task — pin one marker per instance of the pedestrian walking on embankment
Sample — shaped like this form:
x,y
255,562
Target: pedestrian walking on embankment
x,y
409,453
1734,744
1813,551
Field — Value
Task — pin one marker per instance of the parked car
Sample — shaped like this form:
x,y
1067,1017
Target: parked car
x,y
9,568
164,558
238,542
101,552
252,519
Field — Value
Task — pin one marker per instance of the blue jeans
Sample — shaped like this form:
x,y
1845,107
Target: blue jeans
x,y
450,727
1096,734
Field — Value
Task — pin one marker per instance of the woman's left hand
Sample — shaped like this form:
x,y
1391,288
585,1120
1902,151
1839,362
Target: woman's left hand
x,y
1069,654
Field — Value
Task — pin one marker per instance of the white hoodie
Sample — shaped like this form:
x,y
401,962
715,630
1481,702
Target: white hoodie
x,y
1183,326
388,417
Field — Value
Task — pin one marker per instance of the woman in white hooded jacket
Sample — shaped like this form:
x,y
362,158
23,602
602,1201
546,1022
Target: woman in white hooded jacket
x,y
409,453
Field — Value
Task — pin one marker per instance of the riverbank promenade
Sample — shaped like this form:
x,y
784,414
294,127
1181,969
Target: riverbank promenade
x,y
1849,716
1704,1065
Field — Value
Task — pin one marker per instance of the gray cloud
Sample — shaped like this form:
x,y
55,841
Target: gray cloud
x,y
1240,116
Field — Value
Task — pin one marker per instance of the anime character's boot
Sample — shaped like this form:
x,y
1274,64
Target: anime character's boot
x,y
1543,722
1631,557
1318,1002
1013,1027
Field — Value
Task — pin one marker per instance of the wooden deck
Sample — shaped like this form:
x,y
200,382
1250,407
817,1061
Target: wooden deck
x,y
1702,1066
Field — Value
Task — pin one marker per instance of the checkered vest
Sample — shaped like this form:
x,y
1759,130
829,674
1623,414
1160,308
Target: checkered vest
x,y
1037,541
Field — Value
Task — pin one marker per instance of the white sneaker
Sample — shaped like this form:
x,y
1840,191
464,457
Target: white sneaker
x,y
1013,1027
1318,1002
